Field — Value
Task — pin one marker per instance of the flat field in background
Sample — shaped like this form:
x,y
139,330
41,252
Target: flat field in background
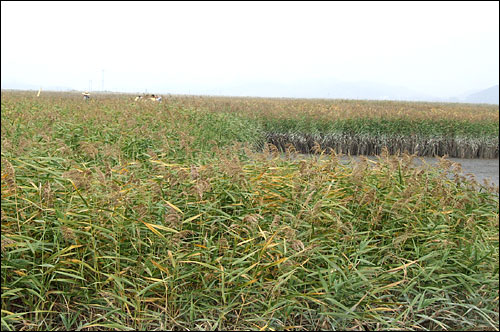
x,y
127,215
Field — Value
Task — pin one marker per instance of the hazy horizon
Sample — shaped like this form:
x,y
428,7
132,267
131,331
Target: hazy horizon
x,y
301,50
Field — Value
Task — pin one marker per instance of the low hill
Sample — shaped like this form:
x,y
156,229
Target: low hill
x,y
487,96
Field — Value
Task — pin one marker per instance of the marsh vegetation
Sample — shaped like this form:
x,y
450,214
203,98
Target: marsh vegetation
x,y
123,215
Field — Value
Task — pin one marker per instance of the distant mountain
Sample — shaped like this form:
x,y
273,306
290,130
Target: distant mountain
x,y
15,85
323,88
487,96
335,89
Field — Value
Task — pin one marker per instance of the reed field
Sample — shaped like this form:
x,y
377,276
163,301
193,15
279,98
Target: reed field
x,y
123,215
367,127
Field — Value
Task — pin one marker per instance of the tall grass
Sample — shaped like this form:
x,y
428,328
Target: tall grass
x,y
369,137
119,216
367,127
338,109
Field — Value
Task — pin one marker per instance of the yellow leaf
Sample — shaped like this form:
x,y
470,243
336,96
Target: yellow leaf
x,y
164,228
164,269
402,266
192,218
383,309
250,282
171,258
278,261
174,207
387,287
153,230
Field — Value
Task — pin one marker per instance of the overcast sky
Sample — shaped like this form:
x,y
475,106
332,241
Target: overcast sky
x,y
437,48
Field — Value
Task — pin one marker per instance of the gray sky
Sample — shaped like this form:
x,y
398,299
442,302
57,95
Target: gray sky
x,y
436,48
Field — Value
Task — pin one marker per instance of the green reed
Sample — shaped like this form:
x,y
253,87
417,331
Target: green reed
x,y
119,216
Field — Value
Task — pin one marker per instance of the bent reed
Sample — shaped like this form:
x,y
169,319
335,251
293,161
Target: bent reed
x,y
124,216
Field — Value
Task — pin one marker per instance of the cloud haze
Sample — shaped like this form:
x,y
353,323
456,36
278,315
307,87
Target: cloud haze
x,y
434,48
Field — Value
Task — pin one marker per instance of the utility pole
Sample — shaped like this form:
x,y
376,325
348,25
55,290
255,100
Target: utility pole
x,y
102,83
